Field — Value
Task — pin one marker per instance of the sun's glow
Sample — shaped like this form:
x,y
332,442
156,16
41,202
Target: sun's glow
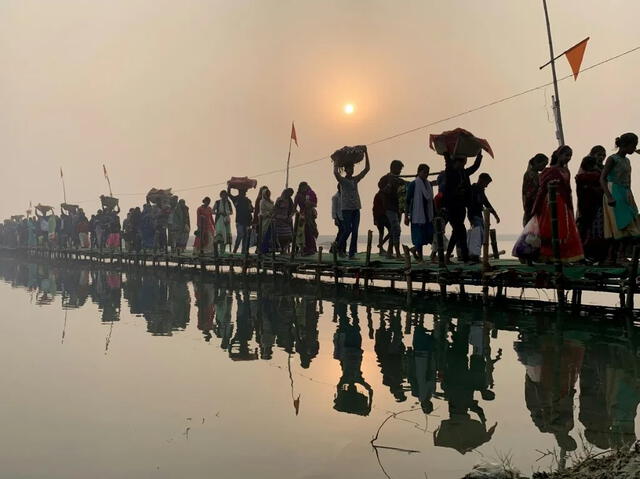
x,y
349,108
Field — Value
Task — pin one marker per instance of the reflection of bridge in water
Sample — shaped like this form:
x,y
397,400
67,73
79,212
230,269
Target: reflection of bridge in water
x,y
433,351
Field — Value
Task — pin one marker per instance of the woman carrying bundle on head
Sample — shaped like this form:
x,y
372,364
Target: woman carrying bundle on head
x,y
621,222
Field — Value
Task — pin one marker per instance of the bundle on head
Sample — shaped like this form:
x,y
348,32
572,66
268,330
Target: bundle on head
x,y
69,208
242,183
44,208
348,156
108,202
159,196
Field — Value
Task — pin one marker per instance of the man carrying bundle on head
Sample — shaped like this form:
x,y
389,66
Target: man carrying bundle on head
x,y
346,158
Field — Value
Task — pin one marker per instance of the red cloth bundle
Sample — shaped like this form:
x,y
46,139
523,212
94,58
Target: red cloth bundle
x,y
459,142
242,183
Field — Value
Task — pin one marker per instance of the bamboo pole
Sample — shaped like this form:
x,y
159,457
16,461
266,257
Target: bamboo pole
x,y
407,272
494,243
555,241
633,275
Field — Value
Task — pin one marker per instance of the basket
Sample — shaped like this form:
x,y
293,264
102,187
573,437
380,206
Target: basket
x,y
348,156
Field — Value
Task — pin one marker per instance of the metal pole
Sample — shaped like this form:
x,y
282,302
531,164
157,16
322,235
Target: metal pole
x,y
560,132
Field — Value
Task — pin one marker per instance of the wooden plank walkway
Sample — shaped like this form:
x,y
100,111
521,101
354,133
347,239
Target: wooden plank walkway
x,y
367,268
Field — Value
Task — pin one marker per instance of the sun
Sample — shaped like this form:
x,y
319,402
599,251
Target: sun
x,y
349,109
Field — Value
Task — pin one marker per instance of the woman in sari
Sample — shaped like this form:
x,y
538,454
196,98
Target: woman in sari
x,y
570,243
621,221
266,222
590,216
223,210
206,228
531,183
283,212
306,201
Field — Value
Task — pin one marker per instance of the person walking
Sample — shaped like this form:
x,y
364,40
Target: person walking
x,y
338,220
350,204
590,214
420,211
621,222
531,183
206,228
244,217
455,200
389,184
478,201
222,211
282,217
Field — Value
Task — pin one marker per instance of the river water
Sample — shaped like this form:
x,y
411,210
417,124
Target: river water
x,y
154,374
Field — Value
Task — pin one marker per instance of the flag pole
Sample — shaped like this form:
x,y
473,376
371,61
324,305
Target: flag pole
x,y
286,183
64,188
556,100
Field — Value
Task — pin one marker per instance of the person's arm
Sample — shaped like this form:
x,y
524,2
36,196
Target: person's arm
x,y
336,173
231,195
476,165
367,166
486,204
608,166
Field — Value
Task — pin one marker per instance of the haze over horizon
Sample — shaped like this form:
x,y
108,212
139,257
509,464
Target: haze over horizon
x,y
182,94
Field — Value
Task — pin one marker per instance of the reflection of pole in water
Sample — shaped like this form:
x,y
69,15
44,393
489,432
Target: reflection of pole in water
x,y
64,328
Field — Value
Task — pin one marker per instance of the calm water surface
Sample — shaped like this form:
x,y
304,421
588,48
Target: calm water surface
x,y
150,374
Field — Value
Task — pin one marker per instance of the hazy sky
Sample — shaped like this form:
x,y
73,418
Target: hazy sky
x,y
184,93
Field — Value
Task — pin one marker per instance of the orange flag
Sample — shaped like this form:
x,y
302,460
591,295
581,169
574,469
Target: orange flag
x,y
61,175
294,137
574,56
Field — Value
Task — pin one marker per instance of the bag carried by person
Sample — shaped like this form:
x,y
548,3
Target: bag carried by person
x,y
528,244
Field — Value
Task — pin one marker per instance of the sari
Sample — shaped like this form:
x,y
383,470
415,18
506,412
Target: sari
x,y
590,218
266,219
530,185
570,244
620,221
222,210
282,214
206,230
307,233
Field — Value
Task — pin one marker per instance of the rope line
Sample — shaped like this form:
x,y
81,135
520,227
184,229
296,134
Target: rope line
x,y
409,131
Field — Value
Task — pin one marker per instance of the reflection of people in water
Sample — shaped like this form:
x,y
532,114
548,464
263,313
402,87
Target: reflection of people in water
x,y
266,314
106,291
306,327
552,366
390,352
422,367
239,349
459,384
205,297
609,394
223,325
347,342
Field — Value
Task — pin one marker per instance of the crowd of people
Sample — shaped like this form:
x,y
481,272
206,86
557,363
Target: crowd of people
x,y
601,230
